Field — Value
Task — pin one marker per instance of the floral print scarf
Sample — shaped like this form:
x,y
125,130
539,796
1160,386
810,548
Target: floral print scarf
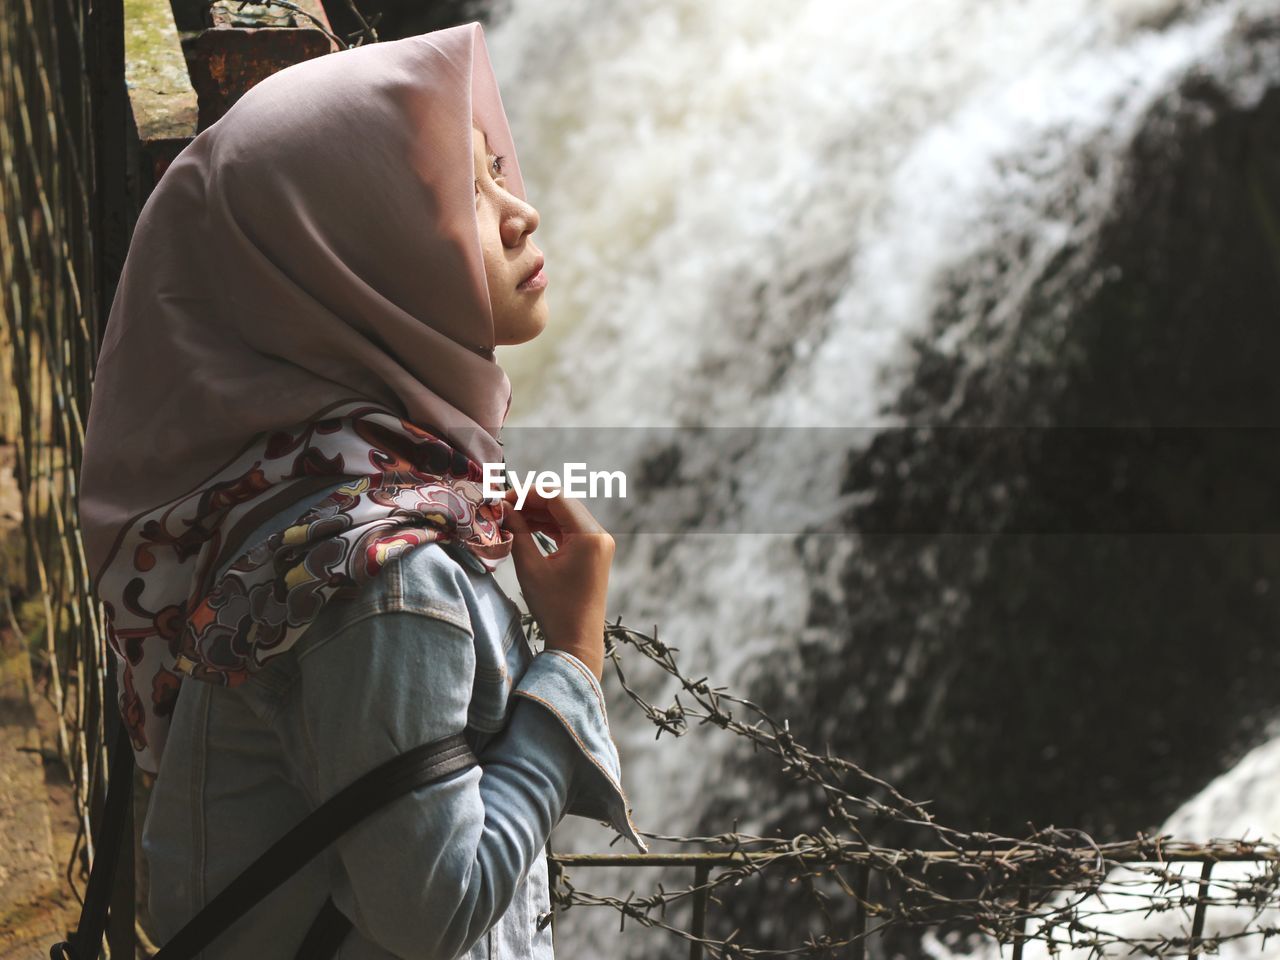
x,y
170,615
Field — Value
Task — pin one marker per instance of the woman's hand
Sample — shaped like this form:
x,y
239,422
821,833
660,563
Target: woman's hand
x,y
565,590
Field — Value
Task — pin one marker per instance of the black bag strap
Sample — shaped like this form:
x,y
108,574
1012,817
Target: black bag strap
x,y
401,774
93,914
327,931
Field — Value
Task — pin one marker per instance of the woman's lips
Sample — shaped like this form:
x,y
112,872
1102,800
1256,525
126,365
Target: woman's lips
x,y
537,282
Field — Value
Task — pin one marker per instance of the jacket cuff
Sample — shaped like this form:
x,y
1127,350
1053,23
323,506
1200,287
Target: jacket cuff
x,y
566,686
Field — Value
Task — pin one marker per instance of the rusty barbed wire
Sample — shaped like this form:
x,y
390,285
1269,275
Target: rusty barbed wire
x,y
1055,887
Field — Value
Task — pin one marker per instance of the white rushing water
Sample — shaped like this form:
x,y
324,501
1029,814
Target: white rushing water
x,y
1241,804
747,209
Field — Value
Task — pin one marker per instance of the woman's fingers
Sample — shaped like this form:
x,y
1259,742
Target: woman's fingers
x,y
534,520
569,524
525,549
569,513
566,591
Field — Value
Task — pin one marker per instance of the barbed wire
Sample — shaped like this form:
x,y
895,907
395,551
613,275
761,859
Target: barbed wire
x,y
1055,887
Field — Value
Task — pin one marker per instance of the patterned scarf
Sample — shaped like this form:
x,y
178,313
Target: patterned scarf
x,y
168,612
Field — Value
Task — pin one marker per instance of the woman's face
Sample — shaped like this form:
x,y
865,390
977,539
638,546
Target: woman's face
x,y
510,258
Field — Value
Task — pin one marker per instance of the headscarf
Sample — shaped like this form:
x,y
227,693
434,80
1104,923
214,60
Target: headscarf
x,y
303,307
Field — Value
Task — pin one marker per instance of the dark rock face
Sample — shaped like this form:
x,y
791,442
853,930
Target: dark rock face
x,y
1049,665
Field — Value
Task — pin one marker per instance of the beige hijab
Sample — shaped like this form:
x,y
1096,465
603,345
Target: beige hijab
x,y
317,243
303,307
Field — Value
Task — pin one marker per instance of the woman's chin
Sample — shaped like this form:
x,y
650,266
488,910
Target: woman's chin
x,y
528,328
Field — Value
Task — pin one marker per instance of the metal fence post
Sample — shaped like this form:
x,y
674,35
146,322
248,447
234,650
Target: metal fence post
x,y
1020,936
863,891
1197,922
699,924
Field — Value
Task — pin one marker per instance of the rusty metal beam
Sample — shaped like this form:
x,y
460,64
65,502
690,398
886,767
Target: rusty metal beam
x,y
182,80
244,44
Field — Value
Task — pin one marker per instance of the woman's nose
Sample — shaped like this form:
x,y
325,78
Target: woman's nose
x,y
522,220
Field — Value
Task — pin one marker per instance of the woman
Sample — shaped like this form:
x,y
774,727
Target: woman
x,y
281,507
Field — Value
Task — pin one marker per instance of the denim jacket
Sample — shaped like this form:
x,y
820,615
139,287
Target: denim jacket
x,y
456,869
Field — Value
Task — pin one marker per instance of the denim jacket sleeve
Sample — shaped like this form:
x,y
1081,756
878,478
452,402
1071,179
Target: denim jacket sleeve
x,y
426,876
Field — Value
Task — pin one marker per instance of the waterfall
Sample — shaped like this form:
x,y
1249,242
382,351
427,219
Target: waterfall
x,y
1239,804
763,216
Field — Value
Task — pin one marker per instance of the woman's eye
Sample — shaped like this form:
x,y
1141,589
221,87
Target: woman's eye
x,y
495,172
